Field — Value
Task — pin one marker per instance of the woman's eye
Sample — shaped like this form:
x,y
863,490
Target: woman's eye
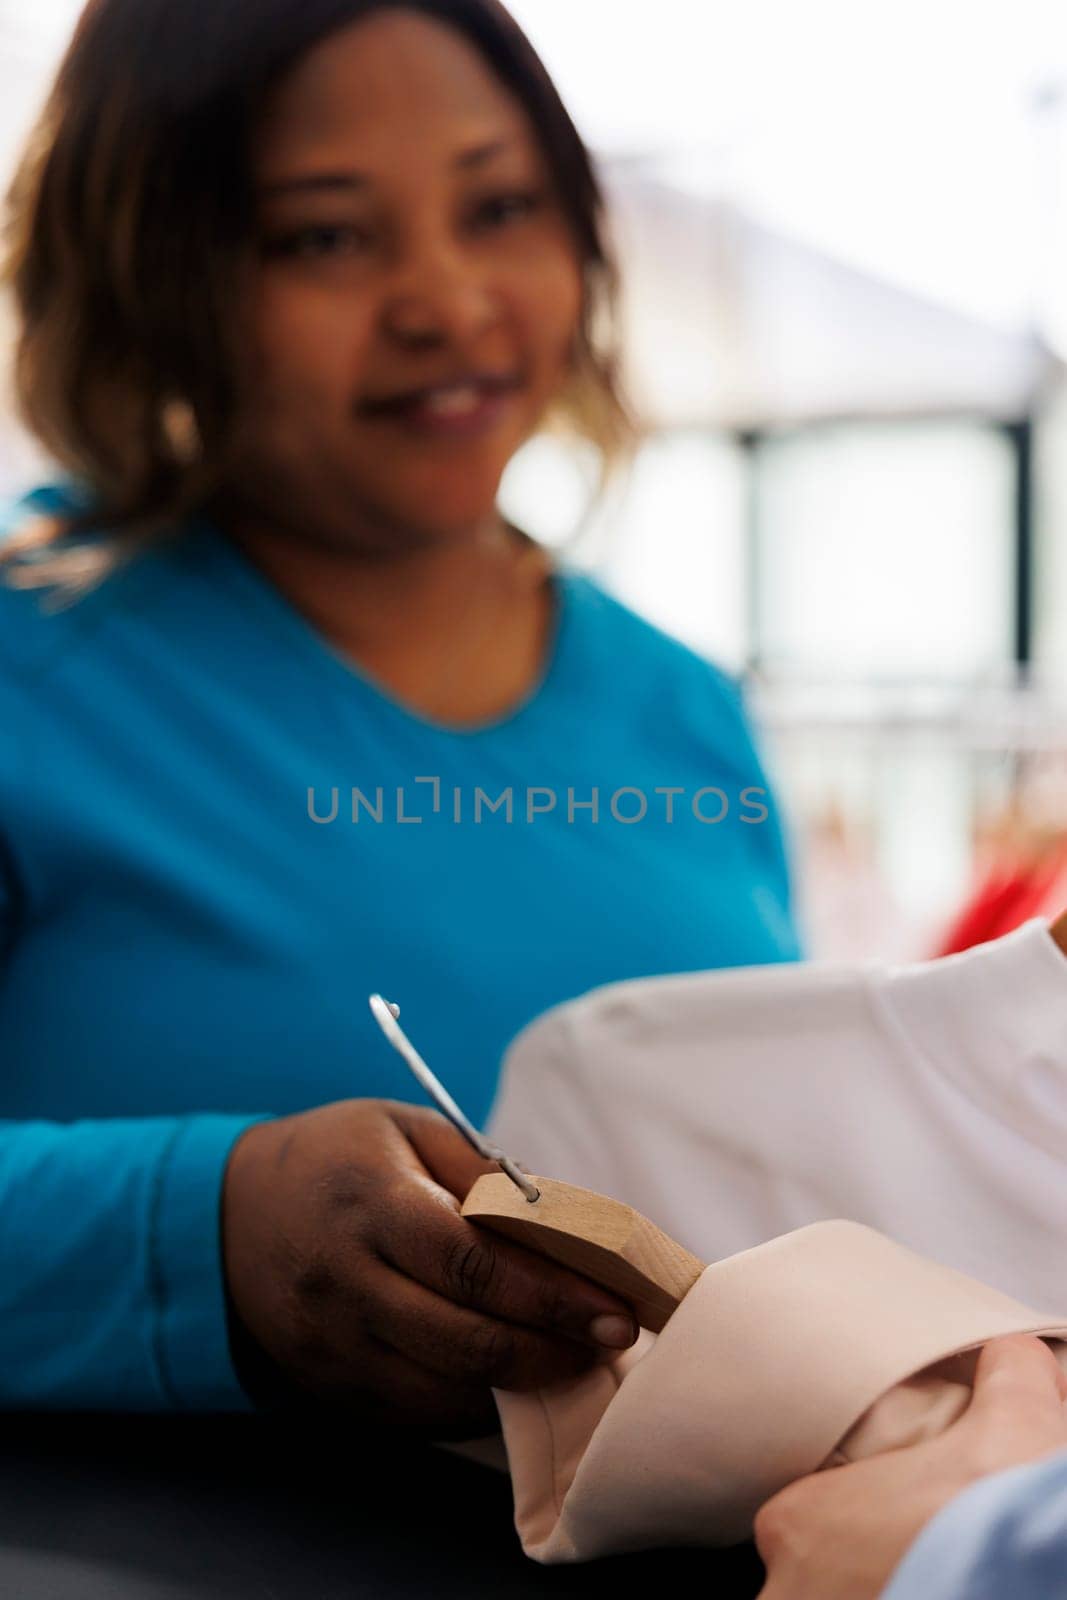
x,y
317,239
501,209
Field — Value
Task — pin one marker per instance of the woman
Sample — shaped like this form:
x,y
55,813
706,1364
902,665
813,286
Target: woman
x,y
294,284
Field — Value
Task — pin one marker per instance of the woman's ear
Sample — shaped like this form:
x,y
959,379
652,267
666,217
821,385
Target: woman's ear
x,y
1059,932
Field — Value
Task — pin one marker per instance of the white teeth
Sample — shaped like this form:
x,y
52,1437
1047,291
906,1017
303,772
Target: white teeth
x,y
453,402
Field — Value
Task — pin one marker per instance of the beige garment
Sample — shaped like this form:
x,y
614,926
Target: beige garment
x,y
828,1344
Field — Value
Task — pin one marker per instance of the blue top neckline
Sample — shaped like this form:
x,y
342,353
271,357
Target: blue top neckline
x,y
350,675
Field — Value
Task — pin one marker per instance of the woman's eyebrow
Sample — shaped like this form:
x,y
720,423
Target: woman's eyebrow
x,y
476,156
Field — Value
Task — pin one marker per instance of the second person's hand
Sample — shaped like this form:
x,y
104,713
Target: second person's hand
x,y
839,1534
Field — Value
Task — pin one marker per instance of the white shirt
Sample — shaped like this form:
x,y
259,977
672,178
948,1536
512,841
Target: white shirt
x,y
928,1101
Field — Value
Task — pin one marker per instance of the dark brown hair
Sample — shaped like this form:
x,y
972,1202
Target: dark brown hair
x,y
126,222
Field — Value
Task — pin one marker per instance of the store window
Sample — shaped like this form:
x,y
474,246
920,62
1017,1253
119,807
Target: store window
x,y
886,551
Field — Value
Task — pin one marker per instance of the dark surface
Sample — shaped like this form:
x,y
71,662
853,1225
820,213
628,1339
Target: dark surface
x,y
99,1508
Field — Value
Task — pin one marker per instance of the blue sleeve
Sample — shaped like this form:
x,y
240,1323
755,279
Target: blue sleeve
x,y
111,1289
1005,1536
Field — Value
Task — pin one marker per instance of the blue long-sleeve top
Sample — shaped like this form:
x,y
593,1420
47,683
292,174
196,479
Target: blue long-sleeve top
x,y
1006,1536
218,836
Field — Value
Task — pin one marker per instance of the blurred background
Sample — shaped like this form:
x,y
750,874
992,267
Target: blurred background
x,y
843,238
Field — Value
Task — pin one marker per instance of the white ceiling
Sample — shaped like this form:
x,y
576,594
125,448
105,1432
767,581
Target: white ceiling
x,y
903,136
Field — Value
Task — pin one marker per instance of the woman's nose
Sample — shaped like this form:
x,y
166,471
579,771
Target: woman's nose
x,y
439,297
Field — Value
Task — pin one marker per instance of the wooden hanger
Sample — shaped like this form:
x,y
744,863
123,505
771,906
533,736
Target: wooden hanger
x,y
603,1239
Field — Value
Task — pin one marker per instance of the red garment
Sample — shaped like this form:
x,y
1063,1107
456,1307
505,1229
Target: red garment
x,y
1009,894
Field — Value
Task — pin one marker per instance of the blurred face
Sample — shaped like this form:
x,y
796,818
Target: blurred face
x,y
415,292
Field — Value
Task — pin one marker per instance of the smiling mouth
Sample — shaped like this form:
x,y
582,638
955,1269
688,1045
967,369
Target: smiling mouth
x,y
463,398
465,411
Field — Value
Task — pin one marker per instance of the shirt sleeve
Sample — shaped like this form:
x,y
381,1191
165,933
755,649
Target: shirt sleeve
x,y
1006,1535
111,1284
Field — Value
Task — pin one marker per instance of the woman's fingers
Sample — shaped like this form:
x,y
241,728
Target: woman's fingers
x,y
469,1346
477,1270
342,1236
471,1266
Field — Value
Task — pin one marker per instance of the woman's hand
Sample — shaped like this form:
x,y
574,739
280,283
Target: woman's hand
x,y
839,1534
354,1281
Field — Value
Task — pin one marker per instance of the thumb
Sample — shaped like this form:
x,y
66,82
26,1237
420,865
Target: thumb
x,y
441,1148
1016,1372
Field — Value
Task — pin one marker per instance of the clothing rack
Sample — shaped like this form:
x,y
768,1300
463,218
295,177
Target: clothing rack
x,y
976,721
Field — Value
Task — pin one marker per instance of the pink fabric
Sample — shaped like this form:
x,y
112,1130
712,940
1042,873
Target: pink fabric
x,y
827,1344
